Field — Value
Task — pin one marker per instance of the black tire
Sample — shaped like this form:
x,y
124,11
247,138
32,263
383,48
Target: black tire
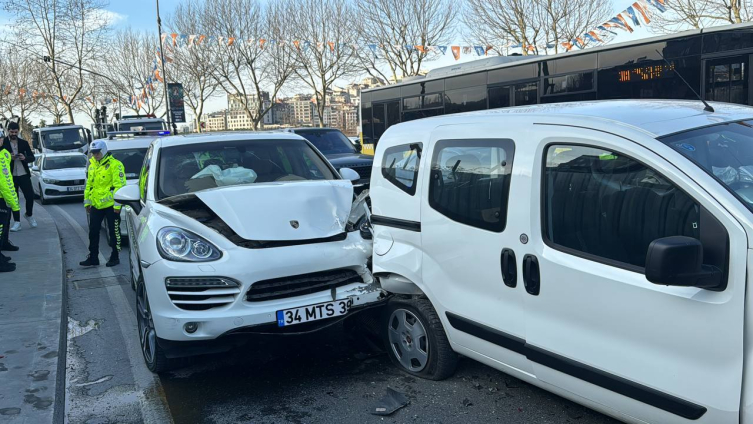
x,y
154,356
434,358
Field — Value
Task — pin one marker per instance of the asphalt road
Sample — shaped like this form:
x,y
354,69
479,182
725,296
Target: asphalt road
x,y
317,378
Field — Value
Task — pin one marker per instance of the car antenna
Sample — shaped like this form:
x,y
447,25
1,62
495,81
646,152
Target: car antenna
x,y
708,107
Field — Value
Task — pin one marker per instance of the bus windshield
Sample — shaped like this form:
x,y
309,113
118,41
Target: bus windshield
x,y
64,139
725,151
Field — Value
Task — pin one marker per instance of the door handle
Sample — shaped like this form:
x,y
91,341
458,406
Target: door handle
x,y
531,274
509,268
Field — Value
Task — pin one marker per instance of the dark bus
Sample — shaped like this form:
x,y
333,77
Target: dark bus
x,y
714,61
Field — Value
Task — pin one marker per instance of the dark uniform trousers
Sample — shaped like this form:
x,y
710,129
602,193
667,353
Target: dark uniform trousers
x,y
96,216
5,214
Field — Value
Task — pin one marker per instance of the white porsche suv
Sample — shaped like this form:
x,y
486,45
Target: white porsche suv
x,y
239,233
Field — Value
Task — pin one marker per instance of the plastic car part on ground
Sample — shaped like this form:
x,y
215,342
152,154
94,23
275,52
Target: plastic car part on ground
x,y
227,177
390,402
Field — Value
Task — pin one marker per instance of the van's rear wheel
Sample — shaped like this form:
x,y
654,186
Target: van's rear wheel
x,y
416,340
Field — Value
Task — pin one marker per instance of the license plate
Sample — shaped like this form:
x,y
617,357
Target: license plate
x,y
76,188
313,312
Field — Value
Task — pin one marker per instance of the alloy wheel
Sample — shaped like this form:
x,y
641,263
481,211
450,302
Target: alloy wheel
x,y
408,340
147,334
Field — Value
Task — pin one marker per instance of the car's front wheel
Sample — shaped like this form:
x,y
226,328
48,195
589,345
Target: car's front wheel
x,y
154,357
416,340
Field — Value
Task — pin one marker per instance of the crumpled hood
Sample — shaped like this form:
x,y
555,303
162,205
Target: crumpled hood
x,y
266,212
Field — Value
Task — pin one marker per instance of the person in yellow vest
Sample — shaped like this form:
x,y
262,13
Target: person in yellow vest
x,y
104,177
8,205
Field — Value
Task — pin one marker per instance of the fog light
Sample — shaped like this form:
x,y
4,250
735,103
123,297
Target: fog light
x,y
191,327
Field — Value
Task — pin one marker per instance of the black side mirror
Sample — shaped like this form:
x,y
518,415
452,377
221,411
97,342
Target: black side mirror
x,y
358,147
678,261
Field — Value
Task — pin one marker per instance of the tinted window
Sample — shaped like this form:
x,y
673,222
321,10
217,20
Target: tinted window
x,y
564,65
465,100
410,116
377,120
470,181
569,83
647,52
366,127
727,80
64,139
393,114
610,206
471,80
194,167
385,94
651,80
412,103
526,93
329,142
422,88
141,126
144,175
400,166
727,40
132,160
514,73
433,100
63,162
499,97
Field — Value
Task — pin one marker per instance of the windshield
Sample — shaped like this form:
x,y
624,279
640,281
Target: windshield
x,y
132,159
194,167
63,162
64,139
724,151
141,126
329,142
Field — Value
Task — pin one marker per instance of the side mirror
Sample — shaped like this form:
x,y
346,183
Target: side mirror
x,y
349,174
35,168
678,261
358,147
129,196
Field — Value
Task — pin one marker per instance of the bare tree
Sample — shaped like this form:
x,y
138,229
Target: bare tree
x,y
130,63
684,14
394,34
249,63
536,25
328,25
70,32
19,79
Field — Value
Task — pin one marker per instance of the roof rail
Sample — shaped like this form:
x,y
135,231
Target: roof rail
x,y
112,134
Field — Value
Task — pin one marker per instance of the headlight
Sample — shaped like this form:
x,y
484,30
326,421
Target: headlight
x,y
177,244
49,181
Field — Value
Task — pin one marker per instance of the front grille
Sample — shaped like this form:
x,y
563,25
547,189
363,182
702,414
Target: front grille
x,y
363,171
298,285
201,293
69,183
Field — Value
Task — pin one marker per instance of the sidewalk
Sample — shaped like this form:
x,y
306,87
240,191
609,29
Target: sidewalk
x,y
31,307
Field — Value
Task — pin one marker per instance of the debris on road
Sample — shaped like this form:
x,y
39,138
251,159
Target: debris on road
x,y
390,402
467,402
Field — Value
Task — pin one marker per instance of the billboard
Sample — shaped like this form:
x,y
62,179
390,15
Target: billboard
x,y
177,107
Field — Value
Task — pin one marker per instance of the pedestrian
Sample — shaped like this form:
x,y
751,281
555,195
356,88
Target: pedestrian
x,y
8,205
104,177
22,156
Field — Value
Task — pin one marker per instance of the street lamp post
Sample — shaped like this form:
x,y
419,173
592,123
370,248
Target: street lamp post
x,y
170,123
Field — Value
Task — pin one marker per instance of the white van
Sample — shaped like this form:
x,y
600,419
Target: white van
x,y
597,250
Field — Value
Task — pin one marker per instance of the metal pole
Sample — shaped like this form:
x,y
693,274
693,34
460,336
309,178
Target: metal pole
x,y
170,124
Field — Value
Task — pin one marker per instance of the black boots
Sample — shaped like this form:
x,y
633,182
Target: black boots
x,y
112,261
6,265
10,247
90,261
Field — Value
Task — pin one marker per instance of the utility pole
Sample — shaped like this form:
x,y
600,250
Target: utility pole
x,y
170,123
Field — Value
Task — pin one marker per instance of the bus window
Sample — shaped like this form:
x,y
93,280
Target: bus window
x,y
499,97
526,93
465,100
727,80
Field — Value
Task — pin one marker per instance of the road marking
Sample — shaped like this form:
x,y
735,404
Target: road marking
x,y
153,406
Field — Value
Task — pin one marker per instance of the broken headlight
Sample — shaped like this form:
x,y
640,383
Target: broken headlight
x,y
360,216
177,244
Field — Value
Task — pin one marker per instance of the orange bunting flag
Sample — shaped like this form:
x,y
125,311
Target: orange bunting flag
x,y
624,22
297,44
642,11
331,46
567,45
201,39
22,92
230,41
175,38
420,48
488,49
261,43
596,37
163,38
455,52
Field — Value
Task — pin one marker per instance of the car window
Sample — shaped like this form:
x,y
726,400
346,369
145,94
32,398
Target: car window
x,y
329,142
64,162
400,166
132,160
144,175
609,206
470,181
194,167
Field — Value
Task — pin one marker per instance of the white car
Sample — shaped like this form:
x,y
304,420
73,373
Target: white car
x,y
237,233
598,250
58,176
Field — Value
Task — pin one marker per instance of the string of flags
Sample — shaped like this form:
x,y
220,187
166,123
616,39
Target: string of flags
x,y
639,10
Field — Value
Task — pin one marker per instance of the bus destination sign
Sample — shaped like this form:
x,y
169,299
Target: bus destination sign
x,y
646,73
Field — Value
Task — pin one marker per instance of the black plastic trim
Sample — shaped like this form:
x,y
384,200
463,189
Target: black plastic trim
x,y
595,376
396,223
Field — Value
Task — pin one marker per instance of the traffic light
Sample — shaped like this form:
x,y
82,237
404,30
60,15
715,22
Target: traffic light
x,y
103,114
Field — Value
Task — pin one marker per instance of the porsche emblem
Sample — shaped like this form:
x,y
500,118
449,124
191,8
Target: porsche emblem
x,y
294,224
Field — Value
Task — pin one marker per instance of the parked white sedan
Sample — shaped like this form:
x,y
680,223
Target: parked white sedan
x,y
58,176
239,233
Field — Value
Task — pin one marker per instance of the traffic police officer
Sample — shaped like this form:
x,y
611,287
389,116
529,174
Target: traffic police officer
x,y
105,176
8,203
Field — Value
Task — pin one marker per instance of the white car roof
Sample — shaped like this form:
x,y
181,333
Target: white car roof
x,y
123,143
655,117
177,140
53,155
